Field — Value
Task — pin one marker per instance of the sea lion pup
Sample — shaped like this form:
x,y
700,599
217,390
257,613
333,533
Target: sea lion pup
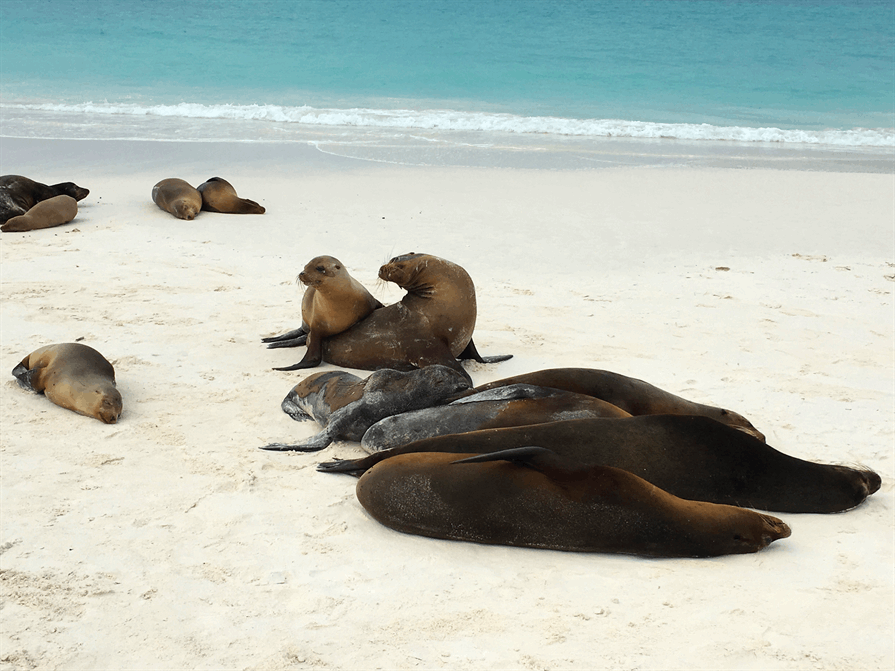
x,y
691,457
515,405
346,406
45,214
432,324
218,195
177,197
19,194
332,302
73,376
532,497
634,396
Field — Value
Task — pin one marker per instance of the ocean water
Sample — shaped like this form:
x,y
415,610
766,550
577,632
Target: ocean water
x,y
430,76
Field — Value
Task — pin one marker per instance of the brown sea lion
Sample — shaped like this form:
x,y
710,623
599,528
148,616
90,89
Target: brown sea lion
x,y
218,195
346,406
73,376
432,324
45,214
332,302
532,497
514,405
630,394
19,194
177,197
691,457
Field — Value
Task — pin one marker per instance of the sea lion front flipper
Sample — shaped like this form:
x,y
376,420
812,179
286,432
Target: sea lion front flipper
x,y
25,377
313,444
298,335
470,352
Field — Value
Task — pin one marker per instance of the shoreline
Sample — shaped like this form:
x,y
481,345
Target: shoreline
x,y
169,539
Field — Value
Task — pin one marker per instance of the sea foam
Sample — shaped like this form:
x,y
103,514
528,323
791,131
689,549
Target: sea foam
x,y
450,120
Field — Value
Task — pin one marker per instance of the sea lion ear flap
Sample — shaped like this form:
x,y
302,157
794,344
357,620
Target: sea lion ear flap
x,y
531,456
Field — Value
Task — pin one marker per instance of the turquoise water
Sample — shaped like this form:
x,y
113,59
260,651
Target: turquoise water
x,y
809,71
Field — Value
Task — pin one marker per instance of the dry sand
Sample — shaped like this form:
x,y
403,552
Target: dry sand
x,y
170,541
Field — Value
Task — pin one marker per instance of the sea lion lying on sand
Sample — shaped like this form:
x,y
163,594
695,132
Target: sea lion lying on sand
x,y
634,396
691,457
534,498
514,405
333,302
178,197
47,213
73,376
218,195
346,406
19,194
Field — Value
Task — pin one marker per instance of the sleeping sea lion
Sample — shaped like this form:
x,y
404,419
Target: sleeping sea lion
x,y
630,394
218,195
691,457
332,302
346,406
177,197
514,405
432,324
45,214
19,194
73,376
531,497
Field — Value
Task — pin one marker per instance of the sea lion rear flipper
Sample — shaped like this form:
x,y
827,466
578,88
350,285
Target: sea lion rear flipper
x,y
354,467
472,353
25,377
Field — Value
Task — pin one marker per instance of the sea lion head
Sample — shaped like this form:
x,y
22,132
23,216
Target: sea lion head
x,y
108,404
319,269
71,189
185,210
404,270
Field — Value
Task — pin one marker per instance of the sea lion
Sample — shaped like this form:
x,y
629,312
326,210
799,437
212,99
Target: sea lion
x,y
532,497
630,394
432,324
45,214
332,302
218,195
346,406
514,405
177,197
691,457
19,194
73,376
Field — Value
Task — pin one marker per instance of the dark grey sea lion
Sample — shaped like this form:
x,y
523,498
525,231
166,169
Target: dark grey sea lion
x,y
514,405
346,405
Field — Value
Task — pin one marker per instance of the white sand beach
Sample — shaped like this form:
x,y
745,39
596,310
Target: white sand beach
x,y
170,541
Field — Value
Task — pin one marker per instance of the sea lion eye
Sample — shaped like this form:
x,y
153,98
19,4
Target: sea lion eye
x,y
320,269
